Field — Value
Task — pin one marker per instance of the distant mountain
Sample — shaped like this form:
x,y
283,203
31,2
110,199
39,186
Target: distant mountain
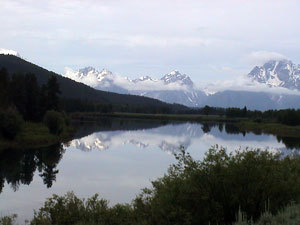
x,y
72,89
176,87
173,87
101,80
280,73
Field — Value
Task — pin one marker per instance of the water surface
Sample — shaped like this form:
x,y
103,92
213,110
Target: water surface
x,y
115,158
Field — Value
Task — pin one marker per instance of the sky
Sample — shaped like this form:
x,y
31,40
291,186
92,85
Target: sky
x,y
209,40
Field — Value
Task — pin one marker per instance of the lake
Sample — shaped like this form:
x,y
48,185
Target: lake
x,y
115,158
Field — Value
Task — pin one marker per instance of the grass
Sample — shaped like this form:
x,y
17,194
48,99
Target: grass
x,y
167,117
34,135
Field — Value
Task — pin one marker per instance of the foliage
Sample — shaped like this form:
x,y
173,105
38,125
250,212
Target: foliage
x,y
55,122
8,220
290,215
69,209
210,191
222,183
4,96
11,123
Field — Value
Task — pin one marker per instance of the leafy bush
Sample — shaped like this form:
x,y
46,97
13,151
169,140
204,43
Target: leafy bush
x,y
69,209
213,190
290,215
210,191
8,220
54,121
11,123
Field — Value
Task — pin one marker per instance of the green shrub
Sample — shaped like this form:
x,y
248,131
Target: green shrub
x,y
54,121
11,123
255,183
290,215
8,220
69,209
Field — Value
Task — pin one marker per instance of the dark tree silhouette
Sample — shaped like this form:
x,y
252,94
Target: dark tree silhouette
x,y
4,81
53,91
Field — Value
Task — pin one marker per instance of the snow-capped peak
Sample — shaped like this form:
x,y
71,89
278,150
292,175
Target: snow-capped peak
x,y
176,77
103,74
277,73
8,52
143,78
87,70
174,72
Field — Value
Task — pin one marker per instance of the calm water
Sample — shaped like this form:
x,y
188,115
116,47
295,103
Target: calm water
x,y
115,158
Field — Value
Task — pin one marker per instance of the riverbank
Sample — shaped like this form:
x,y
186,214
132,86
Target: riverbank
x,y
243,124
35,135
165,117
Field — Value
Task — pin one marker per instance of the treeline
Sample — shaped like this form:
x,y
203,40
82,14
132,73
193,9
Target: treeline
x,y
23,92
210,191
289,117
22,99
78,105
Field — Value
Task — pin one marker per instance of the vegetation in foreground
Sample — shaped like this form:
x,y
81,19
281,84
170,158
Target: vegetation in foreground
x,y
290,215
255,183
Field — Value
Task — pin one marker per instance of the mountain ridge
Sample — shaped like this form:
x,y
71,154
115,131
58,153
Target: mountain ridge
x,y
176,87
72,89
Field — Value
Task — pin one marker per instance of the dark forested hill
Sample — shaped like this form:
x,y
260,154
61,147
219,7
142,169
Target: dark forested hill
x,y
72,89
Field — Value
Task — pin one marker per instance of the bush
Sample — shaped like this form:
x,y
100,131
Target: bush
x,y
290,215
8,220
69,209
210,191
11,123
54,121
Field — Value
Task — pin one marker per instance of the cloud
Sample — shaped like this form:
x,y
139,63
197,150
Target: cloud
x,y
150,37
260,57
243,83
147,85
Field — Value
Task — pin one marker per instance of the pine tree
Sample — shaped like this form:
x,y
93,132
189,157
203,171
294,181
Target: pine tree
x,y
4,93
53,90
32,97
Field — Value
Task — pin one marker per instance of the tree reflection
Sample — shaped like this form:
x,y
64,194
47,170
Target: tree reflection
x,y
18,167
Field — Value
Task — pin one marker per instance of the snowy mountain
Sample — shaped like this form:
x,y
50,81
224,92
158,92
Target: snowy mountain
x,y
173,87
176,87
176,77
277,73
8,52
102,80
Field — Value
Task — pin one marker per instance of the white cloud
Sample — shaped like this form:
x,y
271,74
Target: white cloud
x,y
258,58
243,83
150,36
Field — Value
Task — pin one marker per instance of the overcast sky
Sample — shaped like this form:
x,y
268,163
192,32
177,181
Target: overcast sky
x,y
208,40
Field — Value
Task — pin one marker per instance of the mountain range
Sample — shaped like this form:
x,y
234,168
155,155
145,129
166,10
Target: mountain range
x,y
71,89
176,87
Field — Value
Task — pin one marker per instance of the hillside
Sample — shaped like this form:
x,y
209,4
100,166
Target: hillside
x,y
73,89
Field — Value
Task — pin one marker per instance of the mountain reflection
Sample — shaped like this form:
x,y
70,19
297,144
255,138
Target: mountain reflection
x,y
18,167
171,136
